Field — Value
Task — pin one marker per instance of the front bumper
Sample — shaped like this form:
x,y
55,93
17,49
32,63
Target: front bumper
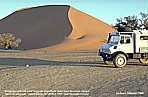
x,y
105,55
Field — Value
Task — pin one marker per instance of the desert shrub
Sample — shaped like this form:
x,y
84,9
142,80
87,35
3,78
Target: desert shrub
x,y
132,22
9,41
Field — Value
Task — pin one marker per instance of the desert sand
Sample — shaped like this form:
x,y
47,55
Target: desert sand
x,y
74,70
55,27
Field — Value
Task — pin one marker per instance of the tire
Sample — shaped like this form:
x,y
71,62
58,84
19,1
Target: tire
x,y
143,60
119,61
108,62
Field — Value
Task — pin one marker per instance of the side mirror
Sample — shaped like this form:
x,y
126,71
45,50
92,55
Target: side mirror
x,y
109,36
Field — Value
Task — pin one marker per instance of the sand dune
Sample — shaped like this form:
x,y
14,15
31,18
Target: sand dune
x,y
48,28
38,27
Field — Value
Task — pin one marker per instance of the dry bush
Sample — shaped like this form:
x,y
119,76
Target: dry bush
x,y
9,41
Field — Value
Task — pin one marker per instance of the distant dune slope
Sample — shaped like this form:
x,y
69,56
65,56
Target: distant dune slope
x,y
38,27
88,33
58,27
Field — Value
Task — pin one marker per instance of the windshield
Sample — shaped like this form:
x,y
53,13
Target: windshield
x,y
114,39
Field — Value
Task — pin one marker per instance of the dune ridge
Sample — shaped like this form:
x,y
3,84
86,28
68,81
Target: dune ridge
x,y
75,17
25,8
88,33
56,27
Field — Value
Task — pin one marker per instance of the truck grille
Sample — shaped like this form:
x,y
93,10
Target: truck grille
x,y
105,50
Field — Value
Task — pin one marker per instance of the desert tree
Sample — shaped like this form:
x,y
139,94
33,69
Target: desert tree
x,y
9,41
132,22
144,20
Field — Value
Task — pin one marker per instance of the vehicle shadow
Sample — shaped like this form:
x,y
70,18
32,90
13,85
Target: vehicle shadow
x,y
136,64
13,62
38,62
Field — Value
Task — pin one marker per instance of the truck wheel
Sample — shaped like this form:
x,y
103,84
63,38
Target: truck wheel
x,y
108,62
119,61
144,60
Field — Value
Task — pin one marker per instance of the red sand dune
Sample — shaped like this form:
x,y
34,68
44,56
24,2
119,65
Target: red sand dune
x,y
56,27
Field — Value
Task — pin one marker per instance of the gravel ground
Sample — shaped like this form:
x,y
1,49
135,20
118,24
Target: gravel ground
x,y
70,73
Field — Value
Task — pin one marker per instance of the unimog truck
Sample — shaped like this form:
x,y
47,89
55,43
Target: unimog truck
x,y
123,46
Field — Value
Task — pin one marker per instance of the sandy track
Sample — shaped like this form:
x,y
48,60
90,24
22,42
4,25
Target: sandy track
x,y
76,70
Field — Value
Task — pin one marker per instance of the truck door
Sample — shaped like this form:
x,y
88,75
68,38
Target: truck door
x,y
126,44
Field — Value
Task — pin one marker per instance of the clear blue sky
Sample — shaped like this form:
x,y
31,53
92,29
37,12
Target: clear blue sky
x,y
105,10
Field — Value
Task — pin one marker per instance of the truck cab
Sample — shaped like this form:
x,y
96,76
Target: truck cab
x,y
122,46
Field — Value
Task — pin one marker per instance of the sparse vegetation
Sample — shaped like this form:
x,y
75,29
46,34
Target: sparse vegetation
x,y
130,23
9,41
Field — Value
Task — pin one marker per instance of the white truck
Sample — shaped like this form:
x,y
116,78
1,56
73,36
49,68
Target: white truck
x,y
123,46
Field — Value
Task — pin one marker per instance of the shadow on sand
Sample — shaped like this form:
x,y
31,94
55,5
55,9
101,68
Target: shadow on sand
x,y
37,62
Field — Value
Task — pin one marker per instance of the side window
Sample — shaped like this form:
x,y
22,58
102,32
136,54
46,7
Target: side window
x,y
143,37
122,40
127,39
